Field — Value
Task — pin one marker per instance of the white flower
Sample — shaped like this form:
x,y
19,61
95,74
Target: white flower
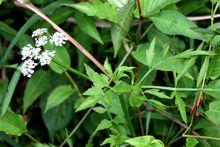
x,y
39,32
58,39
26,51
41,41
46,57
35,52
27,68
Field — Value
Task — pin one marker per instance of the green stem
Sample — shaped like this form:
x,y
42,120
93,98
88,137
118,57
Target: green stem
x,y
202,137
32,138
180,89
80,74
127,117
73,83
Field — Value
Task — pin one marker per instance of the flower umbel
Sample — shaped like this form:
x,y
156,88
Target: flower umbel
x,y
46,57
32,55
27,68
58,39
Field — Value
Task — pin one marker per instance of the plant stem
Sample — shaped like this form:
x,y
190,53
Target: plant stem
x,y
32,138
73,83
180,89
126,114
202,137
76,128
80,74
140,121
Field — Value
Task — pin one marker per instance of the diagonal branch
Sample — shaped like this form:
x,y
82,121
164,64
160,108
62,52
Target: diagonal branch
x,y
56,27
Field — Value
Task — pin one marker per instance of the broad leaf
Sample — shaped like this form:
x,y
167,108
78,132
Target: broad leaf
x,y
58,95
38,83
87,25
98,9
145,141
89,102
214,85
57,117
172,22
12,124
93,91
150,52
214,112
150,7
61,56
191,142
119,31
104,124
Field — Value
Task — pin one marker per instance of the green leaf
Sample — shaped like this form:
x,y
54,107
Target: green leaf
x,y
93,91
108,67
87,25
172,22
214,112
135,99
145,141
156,93
12,124
57,117
61,56
58,95
157,104
150,52
150,7
191,142
89,102
99,109
122,87
215,85
104,124
98,9
181,106
119,31
117,3
10,91
98,80
1,1
214,71
203,71
38,83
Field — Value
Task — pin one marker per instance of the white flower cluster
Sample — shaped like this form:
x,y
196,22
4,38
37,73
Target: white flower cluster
x,y
34,55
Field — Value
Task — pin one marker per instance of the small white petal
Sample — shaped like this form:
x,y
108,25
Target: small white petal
x,y
26,51
46,57
41,41
39,32
27,68
58,39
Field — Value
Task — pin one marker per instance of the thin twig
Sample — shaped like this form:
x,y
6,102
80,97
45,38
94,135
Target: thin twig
x,y
76,128
31,7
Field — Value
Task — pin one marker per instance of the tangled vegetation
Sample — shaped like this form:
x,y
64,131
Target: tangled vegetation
x,y
143,73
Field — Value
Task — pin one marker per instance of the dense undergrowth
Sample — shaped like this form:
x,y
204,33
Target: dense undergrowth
x,y
141,73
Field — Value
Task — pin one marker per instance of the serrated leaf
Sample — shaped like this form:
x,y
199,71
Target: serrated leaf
x,y
93,91
181,106
108,67
203,71
214,112
119,31
150,7
122,87
157,104
90,101
98,9
145,141
12,124
58,95
61,56
87,25
156,93
38,83
99,109
98,80
172,22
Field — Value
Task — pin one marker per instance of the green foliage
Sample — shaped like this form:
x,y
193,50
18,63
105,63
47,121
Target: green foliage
x,y
145,141
12,124
155,74
37,85
172,22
